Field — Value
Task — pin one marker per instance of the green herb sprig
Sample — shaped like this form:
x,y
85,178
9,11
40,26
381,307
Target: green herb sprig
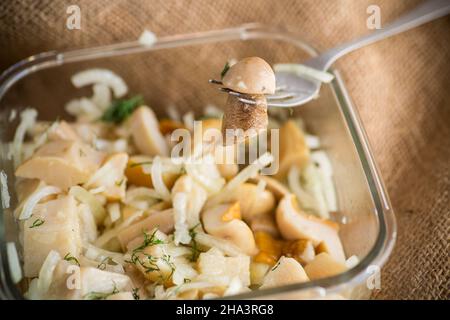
x,y
100,295
68,257
194,246
38,222
122,109
225,70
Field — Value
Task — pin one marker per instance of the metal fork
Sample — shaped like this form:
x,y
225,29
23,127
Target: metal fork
x,y
293,90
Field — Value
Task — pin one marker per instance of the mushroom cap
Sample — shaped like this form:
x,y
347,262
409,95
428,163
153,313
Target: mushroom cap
x,y
250,75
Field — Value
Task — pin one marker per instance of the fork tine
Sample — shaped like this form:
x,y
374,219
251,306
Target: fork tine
x,y
247,101
281,96
214,81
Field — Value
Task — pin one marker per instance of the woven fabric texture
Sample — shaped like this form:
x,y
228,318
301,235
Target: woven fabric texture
x,y
400,86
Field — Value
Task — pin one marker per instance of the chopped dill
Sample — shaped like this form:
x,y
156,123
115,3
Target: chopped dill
x,y
70,258
225,69
194,246
149,263
135,292
275,266
122,109
120,182
106,261
100,295
38,222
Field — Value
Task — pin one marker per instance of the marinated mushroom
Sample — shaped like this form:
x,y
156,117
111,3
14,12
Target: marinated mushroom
x,y
286,271
54,226
253,202
146,134
62,163
324,265
223,221
294,225
253,78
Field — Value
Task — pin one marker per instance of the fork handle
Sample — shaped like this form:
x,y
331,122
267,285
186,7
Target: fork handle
x,y
425,12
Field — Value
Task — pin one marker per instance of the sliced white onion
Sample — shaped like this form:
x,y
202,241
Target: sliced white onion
x,y
157,179
101,96
247,173
205,172
313,142
304,71
114,211
97,209
4,190
326,175
101,76
26,210
173,113
313,184
305,199
180,211
213,242
13,261
27,120
212,111
98,254
46,272
352,262
188,120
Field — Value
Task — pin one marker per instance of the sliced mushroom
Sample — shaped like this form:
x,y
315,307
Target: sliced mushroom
x,y
286,271
163,220
293,150
301,250
252,77
136,175
62,164
196,197
278,189
54,225
253,202
324,265
73,282
62,131
145,131
218,222
111,177
265,223
215,267
294,225
225,156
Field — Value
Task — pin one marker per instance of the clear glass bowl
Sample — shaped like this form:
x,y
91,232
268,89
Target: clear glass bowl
x,y
175,70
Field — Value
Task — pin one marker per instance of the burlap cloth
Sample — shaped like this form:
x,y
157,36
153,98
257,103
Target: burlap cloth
x,y
401,87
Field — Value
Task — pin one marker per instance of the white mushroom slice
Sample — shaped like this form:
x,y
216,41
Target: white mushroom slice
x,y
89,283
146,134
250,75
62,164
62,131
293,225
265,223
111,176
253,202
221,221
286,271
54,225
214,267
324,265
163,220
278,189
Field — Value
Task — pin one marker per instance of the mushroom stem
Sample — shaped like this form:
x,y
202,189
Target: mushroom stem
x,y
250,118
